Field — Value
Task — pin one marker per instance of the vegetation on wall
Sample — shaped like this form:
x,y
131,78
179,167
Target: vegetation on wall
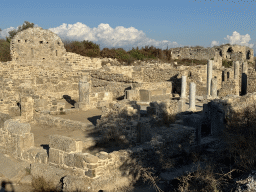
x,y
227,64
5,43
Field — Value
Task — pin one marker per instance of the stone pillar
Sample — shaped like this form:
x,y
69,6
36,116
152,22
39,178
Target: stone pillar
x,y
183,87
181,105
236,70
214,88
84,87
236,76
209,77
192,97
27,108
244,78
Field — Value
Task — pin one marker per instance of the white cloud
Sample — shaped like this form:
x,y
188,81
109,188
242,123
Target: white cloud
x,y
106,36
4,33
238,39
214,43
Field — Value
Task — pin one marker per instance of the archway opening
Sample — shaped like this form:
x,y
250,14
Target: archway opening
x,y
248,55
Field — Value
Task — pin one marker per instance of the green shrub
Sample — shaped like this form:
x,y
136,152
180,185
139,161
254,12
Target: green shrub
x,y
227,64
136,54
84,48
5,50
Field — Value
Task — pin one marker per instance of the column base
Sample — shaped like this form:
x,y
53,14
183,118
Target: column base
x,y
192,109
82,106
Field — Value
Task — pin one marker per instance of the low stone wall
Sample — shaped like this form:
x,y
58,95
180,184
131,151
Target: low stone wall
x,y
61,123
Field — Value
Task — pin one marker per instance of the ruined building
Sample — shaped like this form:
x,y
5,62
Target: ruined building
x,y
227,52
42,73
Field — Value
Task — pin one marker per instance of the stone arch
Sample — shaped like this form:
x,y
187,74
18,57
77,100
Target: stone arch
x,y
229,52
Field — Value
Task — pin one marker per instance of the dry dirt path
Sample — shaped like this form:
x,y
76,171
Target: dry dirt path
x,y
42,132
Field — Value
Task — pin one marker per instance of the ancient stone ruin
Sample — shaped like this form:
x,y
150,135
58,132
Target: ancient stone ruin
x,y
227,52
42,79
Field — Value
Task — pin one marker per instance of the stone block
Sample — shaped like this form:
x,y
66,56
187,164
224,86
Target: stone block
x,y
82,159
25,141
40,103
145,95
102,155
14,111
160,97
41,157
79,161
35,155
101,95
157,92
14,127
69,159
75,183
54,156
132,95
90,173
63,143
49,173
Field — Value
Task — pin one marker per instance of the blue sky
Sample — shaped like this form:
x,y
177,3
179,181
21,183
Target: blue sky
x,y
128,24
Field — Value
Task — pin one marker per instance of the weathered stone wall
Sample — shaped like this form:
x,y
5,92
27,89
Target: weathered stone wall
x,y
237,52
36,43
228,52
192,53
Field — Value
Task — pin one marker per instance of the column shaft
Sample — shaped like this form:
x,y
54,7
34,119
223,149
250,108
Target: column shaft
x,y
214,87
209,77
192,96
183,87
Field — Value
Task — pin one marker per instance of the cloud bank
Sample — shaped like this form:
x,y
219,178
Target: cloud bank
x,y
106,36
236,38
4,33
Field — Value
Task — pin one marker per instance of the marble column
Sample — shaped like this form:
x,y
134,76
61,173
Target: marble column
x,y
183,87
214,88
236,76
209,77
236,70
84,90
192,97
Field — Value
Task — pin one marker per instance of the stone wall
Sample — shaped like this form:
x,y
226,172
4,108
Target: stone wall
x,y
36,43
228,52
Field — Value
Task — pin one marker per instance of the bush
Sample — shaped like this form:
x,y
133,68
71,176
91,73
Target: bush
x,y
227,64
5,51
109,53
136,54
25,25
84,48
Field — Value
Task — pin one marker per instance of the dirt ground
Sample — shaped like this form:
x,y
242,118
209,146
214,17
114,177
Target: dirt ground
x,y
42,132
